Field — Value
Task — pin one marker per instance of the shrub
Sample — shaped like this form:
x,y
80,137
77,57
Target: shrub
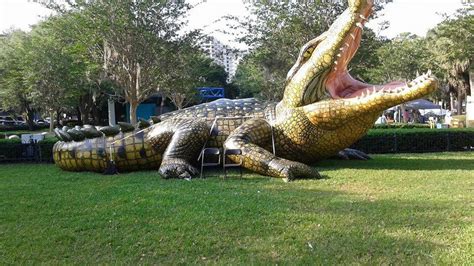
x,y
416,140
12,150
21,127
400,125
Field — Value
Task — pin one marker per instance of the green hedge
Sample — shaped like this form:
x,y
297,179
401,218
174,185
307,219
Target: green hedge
x,y
401,126
416,140
376,141
11,150
21,127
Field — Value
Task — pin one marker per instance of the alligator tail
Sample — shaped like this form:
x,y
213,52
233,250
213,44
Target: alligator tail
x,y
129,151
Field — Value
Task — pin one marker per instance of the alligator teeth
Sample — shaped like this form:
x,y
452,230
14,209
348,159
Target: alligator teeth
x,y
353,36
363,17
358,24
346,44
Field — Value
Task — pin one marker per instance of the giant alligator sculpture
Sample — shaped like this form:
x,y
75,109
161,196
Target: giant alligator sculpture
x,y
323,111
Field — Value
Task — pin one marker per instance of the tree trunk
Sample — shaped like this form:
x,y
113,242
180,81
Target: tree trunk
x,y
95,109
95,115
29,118
79,115
51,120
451,101
404,113
162,104
58,118
84,107
459,103
133,112
471,83
30,113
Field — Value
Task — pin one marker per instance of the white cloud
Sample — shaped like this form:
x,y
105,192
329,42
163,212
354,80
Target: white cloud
x,y
20,14
415,16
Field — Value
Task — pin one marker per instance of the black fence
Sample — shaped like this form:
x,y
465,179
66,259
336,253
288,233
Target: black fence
x,y
417,142
385,142
33,152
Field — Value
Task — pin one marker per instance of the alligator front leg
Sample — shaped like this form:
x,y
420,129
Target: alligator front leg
x,y
184,139
250,138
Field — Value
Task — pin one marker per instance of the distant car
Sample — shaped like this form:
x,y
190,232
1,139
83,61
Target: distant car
x,y
41,122
20,121
7,121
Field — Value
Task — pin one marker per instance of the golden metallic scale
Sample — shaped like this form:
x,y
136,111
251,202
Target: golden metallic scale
x,y
323,111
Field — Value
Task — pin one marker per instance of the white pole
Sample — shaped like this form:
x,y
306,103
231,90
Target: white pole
x,y
470,102
111,108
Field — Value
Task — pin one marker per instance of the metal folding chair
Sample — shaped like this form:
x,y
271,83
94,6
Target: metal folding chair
x,y
226,164
214,154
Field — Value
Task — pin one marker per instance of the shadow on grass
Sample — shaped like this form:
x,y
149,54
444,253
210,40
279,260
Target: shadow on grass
x,y
395,163
344,229
139,218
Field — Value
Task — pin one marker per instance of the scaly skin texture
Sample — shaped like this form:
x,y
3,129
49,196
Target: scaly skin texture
x,y
323,111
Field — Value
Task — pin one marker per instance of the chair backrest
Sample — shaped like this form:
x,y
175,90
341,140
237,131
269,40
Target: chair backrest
x,y
211,151
233,152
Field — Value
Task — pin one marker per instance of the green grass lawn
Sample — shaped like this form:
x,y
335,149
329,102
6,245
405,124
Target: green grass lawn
x,y
395,209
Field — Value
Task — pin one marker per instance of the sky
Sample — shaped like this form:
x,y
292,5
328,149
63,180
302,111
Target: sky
x,y
415,16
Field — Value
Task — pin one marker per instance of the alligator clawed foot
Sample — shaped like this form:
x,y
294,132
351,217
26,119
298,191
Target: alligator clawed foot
x,y
289,170
177,168
352,154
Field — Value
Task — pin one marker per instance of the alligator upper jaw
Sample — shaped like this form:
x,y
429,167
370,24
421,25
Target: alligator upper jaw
x,y
339,84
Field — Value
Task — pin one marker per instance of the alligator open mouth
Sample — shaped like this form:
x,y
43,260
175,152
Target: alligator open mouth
x,y
340,84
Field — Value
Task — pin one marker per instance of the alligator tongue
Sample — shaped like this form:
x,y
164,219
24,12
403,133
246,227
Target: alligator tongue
x,y
343,85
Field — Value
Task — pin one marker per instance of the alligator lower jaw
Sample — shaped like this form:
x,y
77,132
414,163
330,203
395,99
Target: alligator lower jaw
x,y
341,86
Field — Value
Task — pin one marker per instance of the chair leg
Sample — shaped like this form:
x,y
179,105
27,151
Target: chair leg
x,y
202,164
225,170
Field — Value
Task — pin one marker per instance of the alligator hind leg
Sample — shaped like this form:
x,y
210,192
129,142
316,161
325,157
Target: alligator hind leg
x,y
250,137
184,139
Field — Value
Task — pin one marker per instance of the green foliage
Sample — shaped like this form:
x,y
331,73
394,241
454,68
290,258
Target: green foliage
x,y
253,80
400,125
400,59
90,48
396,209
416,140
15,94
190,70
277,30
452,47
416,130
11,150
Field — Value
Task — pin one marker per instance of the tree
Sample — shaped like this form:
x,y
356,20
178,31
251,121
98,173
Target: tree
x,y
135,40
190,70
52,71
400,59
276,31
14,93
254,80
452,47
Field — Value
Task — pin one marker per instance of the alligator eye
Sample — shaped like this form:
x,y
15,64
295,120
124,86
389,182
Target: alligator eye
x,y
308,52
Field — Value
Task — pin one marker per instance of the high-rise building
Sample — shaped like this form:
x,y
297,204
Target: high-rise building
x,y
223,55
